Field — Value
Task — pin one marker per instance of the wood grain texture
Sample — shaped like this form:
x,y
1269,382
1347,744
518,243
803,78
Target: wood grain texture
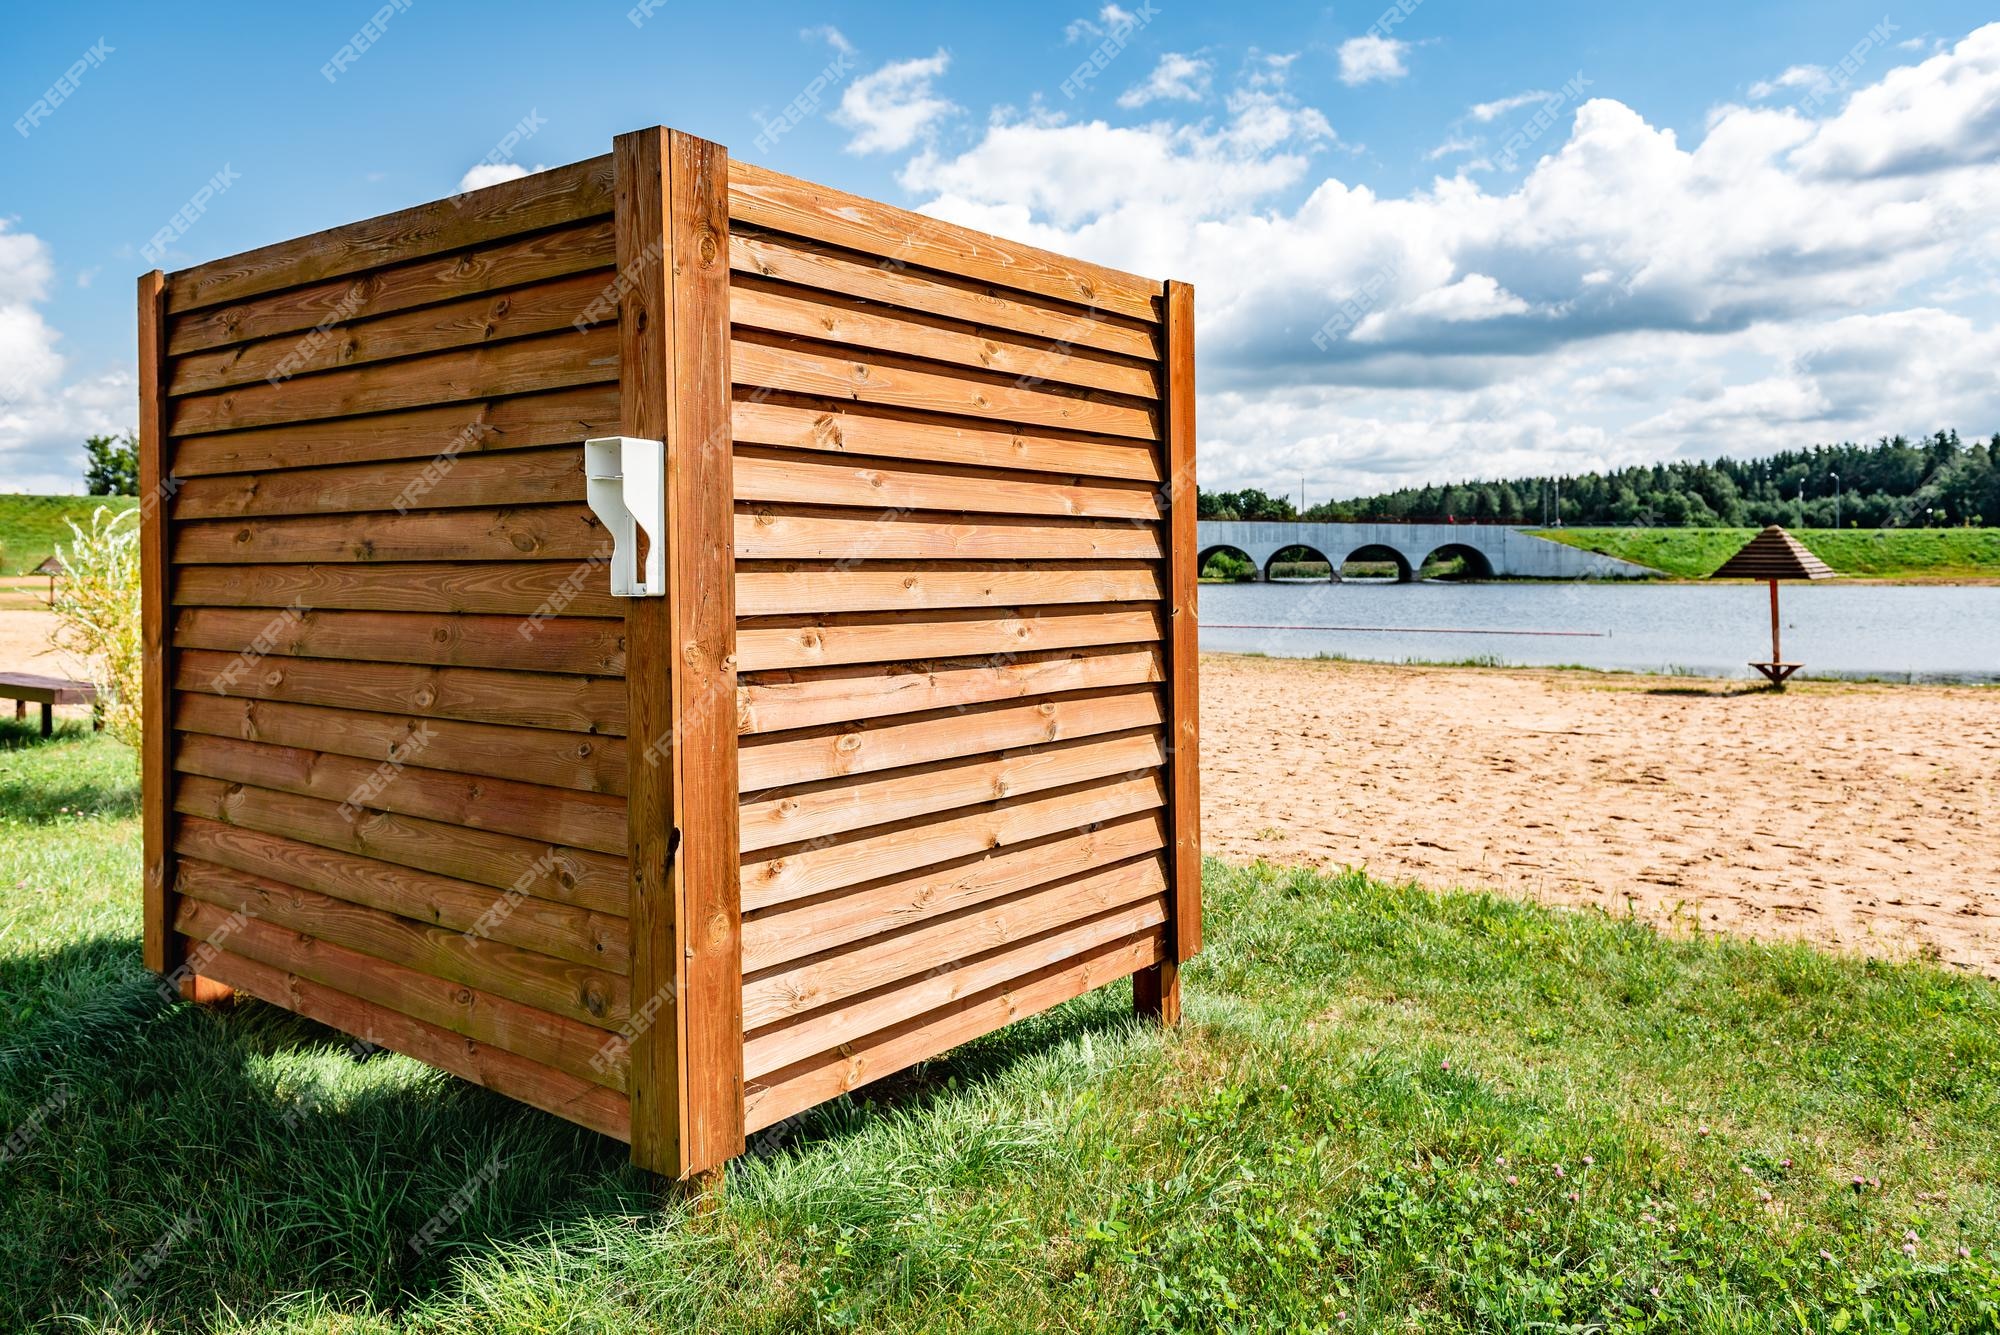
x,y
526,365
804,588
519,1078
802,366
519,699
450,431
156,761
489,317
505,588
584,994
775,700
1184,641
559,759
803,642
766,199
789,478
579,1049
848,428
826,922
515,478
799,533
545,199
812,264
583,645
594,821
772,1098
468,272
568,533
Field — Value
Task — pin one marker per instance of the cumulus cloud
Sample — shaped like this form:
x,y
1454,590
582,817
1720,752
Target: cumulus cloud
x,y
893,107
1372,59
1630,296
1111,18
43,418
494,173
1176,78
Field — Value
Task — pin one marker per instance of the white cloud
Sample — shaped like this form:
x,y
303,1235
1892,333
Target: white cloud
x,y
892,107
831,35
1484,112
1372,59
1453,146
1774,280
1175,78
1814,78
494,173
43,420
1111,18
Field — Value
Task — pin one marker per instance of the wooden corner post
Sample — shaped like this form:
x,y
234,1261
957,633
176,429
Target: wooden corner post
x,y
156,761
1157,991
672,225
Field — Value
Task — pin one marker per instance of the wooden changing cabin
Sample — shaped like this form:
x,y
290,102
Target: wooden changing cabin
x,y
667,641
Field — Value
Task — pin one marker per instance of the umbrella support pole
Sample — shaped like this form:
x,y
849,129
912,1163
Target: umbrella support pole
x,y
1777,671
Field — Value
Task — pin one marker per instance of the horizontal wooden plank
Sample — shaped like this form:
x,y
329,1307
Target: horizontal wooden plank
x,y
605,1111
584,645
773,701
546,199
503,588
533,533
983,305
770,761
515,478
942,944
479,802
795,533
517,421
846,1016
518,699
561,759
798,588
589,996
759,197
467,272
827,922
875,433
772,1097
824,810
570,894
800,366
828,317
582,1050
560,304
800,642
797,870
522,366
802,478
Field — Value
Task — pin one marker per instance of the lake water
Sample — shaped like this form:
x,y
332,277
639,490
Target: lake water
x,y
1923,633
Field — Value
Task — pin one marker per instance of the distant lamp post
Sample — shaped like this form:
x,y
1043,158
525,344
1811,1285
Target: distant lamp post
x,y
1836,499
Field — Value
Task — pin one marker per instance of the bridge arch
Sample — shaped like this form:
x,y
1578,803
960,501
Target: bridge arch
x,y
1300,553
1379,553
1238,559
1473,563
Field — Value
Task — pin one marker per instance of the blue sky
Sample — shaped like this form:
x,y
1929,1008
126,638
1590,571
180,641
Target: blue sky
x,y
1447,239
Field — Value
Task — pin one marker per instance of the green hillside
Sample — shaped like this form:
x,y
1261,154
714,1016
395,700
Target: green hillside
x,y
30,526
1877,553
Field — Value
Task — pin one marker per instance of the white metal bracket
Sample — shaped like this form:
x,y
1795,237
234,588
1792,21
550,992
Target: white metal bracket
x,y
625,482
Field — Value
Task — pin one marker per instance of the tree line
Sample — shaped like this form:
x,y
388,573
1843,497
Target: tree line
x,y
1897,482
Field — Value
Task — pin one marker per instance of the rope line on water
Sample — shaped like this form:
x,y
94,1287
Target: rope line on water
x,y
1414,630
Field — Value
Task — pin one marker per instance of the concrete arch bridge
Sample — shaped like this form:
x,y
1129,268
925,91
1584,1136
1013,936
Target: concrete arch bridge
x,y
1490,551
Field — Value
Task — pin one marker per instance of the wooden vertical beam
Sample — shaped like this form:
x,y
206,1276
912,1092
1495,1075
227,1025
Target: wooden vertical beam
x,y
1156,991
672,228
163,946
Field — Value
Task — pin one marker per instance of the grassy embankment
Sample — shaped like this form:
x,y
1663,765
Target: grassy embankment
x,y
1942,554
1388,1110
31,526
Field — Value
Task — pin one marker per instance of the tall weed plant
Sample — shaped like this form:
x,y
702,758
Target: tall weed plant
x,y
97,614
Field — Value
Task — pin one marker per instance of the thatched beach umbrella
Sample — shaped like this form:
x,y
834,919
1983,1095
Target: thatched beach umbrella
x,y
1774,555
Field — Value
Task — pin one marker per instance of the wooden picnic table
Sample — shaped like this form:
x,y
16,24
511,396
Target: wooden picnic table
x,y
25,688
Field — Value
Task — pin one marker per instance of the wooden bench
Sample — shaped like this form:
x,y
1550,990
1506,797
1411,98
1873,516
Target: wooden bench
x,y
25,688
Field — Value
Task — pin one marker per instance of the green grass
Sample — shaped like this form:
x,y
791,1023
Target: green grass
x,y
31,526
1879,553
1374,1120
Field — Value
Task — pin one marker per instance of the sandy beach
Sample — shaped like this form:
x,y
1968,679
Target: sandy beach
x,y
1860,817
